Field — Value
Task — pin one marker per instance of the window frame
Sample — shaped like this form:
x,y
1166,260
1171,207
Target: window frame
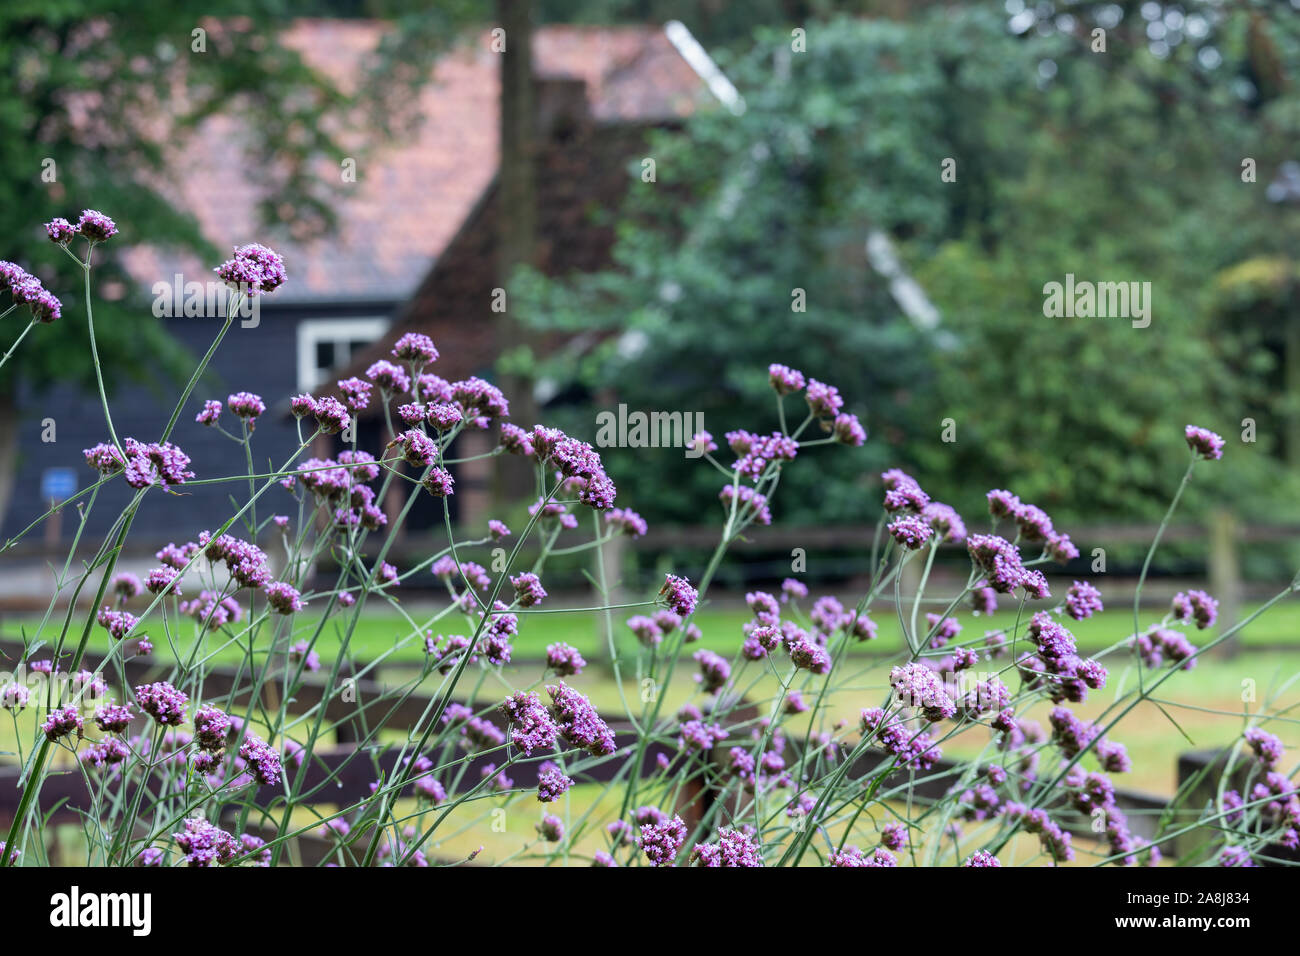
x,y
311,332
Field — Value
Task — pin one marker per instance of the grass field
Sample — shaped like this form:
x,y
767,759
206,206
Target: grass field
x,y
1206,702
384,631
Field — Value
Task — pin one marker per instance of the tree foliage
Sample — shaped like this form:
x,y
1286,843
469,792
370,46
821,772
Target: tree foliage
x,y
1123,166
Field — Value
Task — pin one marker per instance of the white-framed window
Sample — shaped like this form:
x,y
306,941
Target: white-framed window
x,y
325,345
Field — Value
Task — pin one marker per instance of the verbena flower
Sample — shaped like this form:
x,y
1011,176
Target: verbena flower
x,y
113,718
679,595
356,395
564,659
211,412
331,416
1203,442
205,844
735,848
95,226
918,687
824,400
284,597
626,521
62,722
262,759
531,725
911,531
785,380
552,783
211,728
246,405
528,589
714,671
416,348
661,842
254,269
1195,606
551,829
1268,748
163,702
147,465
61,231
1082,601
579,722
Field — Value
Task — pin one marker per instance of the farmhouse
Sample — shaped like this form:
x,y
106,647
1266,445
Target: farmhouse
x,y
414,247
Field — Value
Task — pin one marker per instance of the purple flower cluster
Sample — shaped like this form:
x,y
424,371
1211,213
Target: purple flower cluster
x,y
211,412
284,597
552,782
679,595
696,736
246,405
756,452
920,688
714,673
528,589
254,269
1070,734
578,722
1163,643
851,856
627,522
824,400
415,348
1203,442
27,290
61,722
750,504
1196,606
163,702
661,842
145,466
735,848
113,718
262,759
903,492
205,844
912,748
211,727
246,563
1268,748
118,623
785,380
564,660
531,725
1082,601
911,531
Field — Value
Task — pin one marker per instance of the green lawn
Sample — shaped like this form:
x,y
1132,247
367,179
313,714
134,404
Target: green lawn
x,y
382,630
1207,703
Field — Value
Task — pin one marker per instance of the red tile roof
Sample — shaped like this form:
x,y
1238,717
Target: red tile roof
x,y
411,197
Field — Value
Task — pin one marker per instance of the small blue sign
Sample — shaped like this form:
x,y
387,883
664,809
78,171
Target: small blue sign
x,y
58,484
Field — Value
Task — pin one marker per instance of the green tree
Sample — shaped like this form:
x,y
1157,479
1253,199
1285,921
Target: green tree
x,y
1120,167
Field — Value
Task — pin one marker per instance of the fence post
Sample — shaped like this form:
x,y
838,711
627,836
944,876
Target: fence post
x,y
1225,575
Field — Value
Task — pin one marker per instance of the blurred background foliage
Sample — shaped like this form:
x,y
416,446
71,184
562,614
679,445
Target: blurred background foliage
x,y
1122,165
1117,166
